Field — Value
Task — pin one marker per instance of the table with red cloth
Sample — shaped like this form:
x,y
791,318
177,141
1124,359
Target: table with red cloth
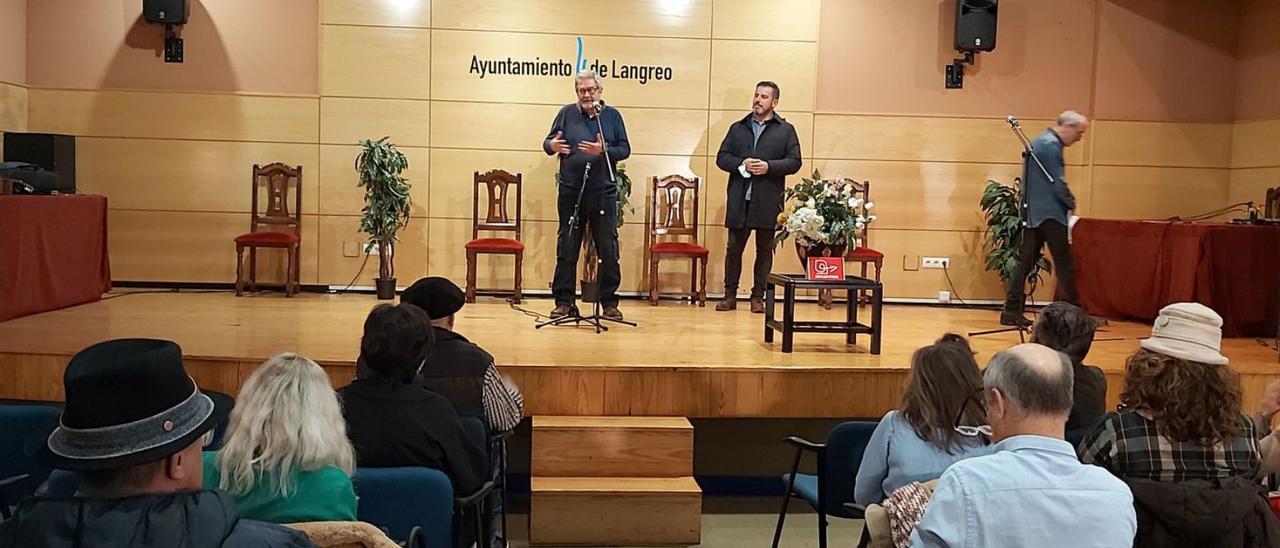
x,y
1131,269
53,253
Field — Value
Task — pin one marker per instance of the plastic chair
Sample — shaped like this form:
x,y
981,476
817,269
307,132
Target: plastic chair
x,y
398,500
23,431
827,492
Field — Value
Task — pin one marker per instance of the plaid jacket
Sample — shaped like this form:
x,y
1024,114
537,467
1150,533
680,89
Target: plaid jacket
x,y
1132,446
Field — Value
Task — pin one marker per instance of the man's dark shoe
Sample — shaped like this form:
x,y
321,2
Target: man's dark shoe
x,y
1014,320
561,311
729,302
612,313
757,305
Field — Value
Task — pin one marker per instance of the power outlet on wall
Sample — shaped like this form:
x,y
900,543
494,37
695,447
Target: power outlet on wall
x,y
939,263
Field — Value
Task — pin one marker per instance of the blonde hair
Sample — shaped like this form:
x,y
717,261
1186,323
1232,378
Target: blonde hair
x,y
287,419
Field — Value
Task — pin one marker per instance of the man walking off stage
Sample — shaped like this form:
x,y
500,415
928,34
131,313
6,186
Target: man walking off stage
x,y
759,152
581,134
1048,203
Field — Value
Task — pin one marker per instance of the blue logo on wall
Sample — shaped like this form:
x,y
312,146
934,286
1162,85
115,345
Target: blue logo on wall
x,y
611,69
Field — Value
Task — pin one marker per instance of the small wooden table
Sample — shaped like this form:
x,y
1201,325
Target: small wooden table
x,y
850,327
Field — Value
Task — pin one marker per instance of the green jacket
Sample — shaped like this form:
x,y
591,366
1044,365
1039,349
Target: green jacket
x,y
318,495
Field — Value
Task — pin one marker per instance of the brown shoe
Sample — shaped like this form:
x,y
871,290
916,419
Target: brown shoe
x,y
560,311
612,313
729,302
757,305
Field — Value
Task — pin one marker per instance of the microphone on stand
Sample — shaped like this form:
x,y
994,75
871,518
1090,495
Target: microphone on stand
x,y
1013,122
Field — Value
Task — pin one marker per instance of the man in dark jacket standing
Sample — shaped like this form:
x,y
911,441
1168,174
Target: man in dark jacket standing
x,y
759,152
133,427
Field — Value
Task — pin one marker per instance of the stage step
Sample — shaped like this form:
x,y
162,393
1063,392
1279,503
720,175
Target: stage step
x,y
615,511
643,447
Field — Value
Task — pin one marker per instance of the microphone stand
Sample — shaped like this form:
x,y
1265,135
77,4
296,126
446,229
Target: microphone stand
x,y
613,183
1024,204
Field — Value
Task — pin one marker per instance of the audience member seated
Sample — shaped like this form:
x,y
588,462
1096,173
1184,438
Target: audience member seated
x,y
953,338
1181,417
1031,491
133,426
1067,328
459,369
925,435
394,421
286,458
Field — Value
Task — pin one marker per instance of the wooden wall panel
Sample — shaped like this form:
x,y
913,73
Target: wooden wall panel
x,y
181,175
386,13
190,246
345,121
375,62
1253,144
1161,144
492,126
341,242
737,65
656,18
1157,193
663,131
1250,185
159,115
452,181
339,193
766,20
987,140
453,51
13,107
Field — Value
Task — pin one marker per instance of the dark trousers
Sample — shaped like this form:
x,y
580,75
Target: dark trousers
x,y
1053,233
600,217
733,259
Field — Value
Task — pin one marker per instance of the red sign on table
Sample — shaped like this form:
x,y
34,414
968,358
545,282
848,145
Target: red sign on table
x,y
826,268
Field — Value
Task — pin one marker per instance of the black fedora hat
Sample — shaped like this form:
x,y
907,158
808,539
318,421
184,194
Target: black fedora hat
x,y
129,401
436,296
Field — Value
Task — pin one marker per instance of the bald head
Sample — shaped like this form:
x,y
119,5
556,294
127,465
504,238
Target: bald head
x,y
1034,378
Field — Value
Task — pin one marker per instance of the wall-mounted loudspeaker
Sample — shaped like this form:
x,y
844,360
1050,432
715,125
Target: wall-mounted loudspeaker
x,y
169,12
976,25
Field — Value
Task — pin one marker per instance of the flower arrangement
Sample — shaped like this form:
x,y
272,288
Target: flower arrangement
x,y
824,212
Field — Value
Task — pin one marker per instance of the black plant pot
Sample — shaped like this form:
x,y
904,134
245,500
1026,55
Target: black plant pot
x,y
386,288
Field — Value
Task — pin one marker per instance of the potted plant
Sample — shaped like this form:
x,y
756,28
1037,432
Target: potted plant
x,y
1004,235
386,205
824,216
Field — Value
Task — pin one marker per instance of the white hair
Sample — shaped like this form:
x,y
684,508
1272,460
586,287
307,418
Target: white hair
x,y
588,75
287,419
1071,118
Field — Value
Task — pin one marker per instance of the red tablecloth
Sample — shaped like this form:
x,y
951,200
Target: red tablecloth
x,y
53,253
1130,269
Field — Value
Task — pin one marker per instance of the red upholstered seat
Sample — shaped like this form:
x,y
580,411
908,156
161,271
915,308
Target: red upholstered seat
x,y
497,245
679,248
865,254
277,239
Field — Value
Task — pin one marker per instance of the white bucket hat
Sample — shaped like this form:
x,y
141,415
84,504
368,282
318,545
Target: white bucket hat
x,y
1190,331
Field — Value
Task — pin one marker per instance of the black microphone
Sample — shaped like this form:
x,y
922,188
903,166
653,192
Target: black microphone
x,y
598,106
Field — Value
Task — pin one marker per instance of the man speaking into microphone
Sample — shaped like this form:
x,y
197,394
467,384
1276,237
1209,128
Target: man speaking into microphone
x,y
590,139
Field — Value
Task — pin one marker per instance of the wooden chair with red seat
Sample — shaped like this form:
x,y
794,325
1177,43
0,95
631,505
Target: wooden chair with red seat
x,y
666,216
277,227
497,217
864,255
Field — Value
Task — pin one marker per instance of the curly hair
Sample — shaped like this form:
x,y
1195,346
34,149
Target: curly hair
x,y
1191,401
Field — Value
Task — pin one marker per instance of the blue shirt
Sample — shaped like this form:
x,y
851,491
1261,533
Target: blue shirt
x,y
578,126
1031,492
896,456
1047,200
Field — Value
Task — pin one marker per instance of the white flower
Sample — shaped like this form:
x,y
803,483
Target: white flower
x,y
811,203
870,205
853,202
859,225
871,218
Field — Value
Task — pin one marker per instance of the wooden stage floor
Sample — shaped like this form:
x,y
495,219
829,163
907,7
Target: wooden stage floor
x,y
680,361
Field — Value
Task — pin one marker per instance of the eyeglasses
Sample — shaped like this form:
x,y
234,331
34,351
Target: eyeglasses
x,y
587,91
972,431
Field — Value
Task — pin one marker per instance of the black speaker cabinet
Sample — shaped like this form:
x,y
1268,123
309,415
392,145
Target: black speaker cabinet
x,y
53,152
169,12
976,25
